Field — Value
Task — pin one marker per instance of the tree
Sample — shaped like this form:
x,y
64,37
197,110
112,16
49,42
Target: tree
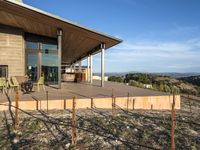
x,y
115,79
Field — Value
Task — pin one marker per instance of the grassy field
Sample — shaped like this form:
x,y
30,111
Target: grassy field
x,y
99,129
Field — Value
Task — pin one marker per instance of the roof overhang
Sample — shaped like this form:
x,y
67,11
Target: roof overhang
x,y
78,41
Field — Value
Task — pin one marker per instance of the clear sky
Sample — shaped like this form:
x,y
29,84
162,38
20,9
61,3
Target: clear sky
x,y
158,35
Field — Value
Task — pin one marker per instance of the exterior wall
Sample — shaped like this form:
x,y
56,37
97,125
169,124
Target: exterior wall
x,y
12,50
144,103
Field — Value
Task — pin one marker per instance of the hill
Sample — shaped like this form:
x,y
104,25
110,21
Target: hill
x,y
195,80
186,85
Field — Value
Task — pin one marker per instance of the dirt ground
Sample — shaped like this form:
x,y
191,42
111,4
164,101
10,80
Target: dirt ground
x,y
102,129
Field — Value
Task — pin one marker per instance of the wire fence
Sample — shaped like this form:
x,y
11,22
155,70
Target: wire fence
x,y
96,128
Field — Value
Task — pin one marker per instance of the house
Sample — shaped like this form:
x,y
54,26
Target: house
x,y
36,43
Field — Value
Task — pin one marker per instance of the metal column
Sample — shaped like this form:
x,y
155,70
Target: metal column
x,y
102,64
88,67
91,76
59,34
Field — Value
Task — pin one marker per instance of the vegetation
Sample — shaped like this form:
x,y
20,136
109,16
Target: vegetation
x,y
115,79
195,80
98,129
186,85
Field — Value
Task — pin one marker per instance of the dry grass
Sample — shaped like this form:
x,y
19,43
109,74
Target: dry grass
x,y
98,129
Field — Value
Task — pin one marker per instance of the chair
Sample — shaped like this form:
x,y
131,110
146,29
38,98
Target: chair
x,y
13,83
39,83
3,84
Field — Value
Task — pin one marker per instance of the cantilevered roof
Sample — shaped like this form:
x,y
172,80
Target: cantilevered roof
x,y
78,41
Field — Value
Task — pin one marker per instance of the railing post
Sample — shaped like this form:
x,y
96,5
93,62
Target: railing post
x,y
16,109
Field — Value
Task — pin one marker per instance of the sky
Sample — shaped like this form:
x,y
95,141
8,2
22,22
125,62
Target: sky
x,y
158,35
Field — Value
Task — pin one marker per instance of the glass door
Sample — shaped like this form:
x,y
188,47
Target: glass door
x,y
32,61
50,63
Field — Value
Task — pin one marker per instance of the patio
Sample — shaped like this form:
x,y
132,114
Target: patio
x,y
84,92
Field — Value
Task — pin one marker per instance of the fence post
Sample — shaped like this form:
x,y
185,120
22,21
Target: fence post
x,y
37,105
133,104
151,106
189,104
92,103
16,109
127,101
113,103
64,103
172,121
47,98
74,121
40,104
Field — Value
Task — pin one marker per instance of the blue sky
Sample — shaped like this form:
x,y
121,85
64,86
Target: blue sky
x,y
158,35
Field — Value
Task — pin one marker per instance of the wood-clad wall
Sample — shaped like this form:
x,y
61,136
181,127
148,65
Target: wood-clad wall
x,y
12,50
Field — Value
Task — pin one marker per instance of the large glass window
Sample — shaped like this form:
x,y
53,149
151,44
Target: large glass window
x,y
31,45
42,60
50,63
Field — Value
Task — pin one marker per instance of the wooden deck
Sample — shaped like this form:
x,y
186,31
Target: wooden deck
x,y
85,91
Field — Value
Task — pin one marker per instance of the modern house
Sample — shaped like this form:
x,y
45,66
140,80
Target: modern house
x,y
35,43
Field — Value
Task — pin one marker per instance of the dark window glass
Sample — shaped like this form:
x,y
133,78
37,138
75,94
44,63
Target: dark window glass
x,y
4,71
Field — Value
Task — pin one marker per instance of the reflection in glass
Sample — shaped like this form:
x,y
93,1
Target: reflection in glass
x,y
31,45
32,66
50,47
50,68
48,64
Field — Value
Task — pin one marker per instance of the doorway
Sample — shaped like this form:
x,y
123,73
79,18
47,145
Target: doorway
x,y
42,60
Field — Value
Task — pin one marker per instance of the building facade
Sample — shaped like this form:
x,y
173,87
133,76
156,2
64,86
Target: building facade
x,y
36,43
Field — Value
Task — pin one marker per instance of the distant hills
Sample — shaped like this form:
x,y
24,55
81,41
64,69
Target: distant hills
x,y
171,74
195,80
185,83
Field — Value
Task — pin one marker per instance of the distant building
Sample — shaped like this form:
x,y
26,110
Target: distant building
x,y
148,86
99,78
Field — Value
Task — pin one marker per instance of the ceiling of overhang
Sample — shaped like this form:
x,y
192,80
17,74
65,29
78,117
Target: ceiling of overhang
x,y
77,42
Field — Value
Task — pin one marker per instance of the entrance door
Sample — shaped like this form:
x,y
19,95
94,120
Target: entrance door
x,y
32,60
50,63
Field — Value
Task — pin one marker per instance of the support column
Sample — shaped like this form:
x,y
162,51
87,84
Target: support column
x,y
59,34
39,64
102,64
88,67
71,68
80,66
74,66
91,75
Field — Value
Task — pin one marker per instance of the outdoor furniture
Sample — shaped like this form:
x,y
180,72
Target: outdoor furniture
x,y
13,84
26,87
68,77
3,84
21,79
39,83
78,77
